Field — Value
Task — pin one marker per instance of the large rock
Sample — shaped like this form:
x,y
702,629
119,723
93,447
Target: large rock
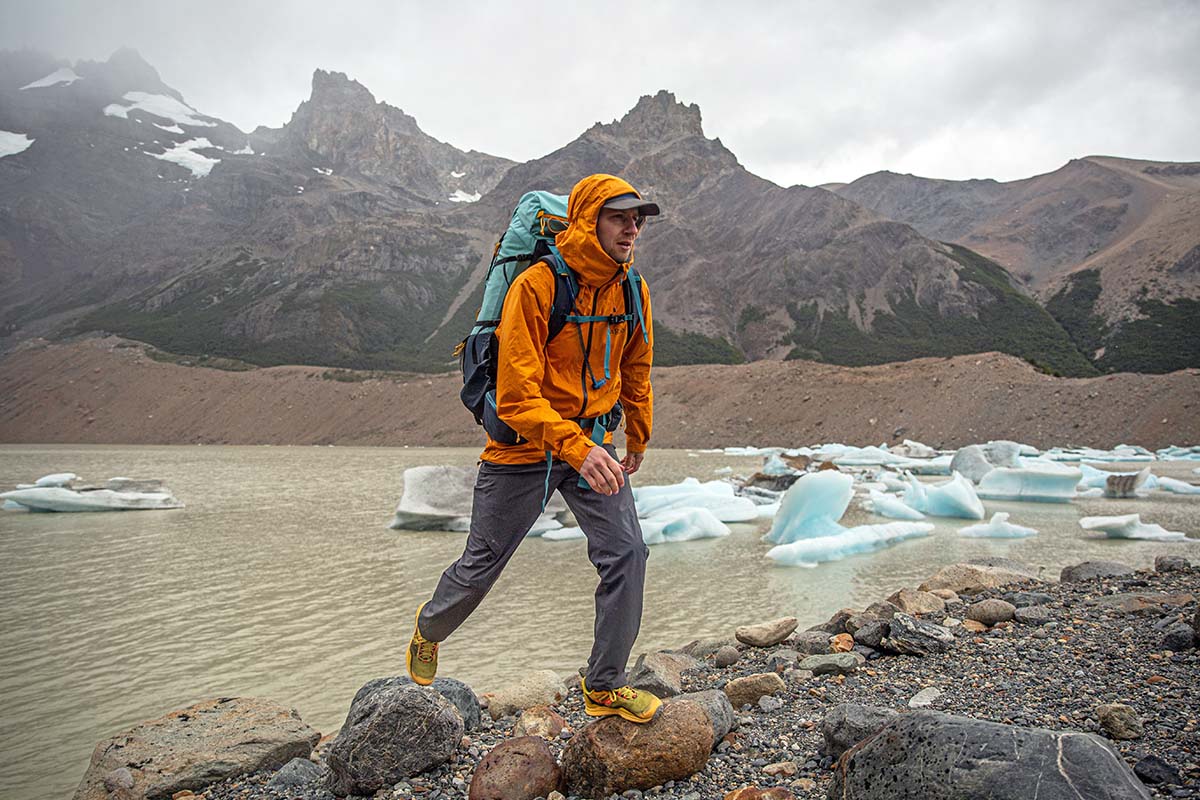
x,y
1179,636
613,755
1171,564
810,642
836,623
914,637
394,730
766,634
1146,603
457,693
718,708
971,577
1119,721
991,611
1090,570
847,724
195,747
749,688
915,601
661,674
538,688
832,663
872,632
294,774
516,769
541,721
937,756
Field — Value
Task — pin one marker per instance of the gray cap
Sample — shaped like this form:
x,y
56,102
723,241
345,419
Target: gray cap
x,y
624,202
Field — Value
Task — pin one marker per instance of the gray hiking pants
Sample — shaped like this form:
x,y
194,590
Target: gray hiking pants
x,y
508,499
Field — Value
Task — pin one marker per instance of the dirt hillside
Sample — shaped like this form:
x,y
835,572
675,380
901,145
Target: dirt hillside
x,y
107,390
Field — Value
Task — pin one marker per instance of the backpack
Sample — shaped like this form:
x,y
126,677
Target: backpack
x,y
529,240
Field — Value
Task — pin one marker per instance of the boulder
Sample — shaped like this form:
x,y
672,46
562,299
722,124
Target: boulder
x,y
925,697
727,656
937,756
1119,721
1091,570
872,632
457,693
538,688
766,634
1171,564
810,642
294,774
1147,603
661,674
832,663
540,721
971,577
847,724
613,755
836,623
703,648
718,708
911,636
749,688
991,611
946,595
1152,769
196,747
1033,615
1179,636
784,658
394,730
516,769
1022,599
915,601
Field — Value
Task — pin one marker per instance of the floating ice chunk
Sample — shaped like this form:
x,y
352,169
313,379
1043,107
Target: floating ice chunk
x,y
954,498
1130,526
867,457
775,465
58,498
57,479
716,496
1045,483
63,76
13,143
160,105
1098,478
971,462
891,480
811,507
682,525
1176,453
1119,453
752,451
435,497
934,466
1178,486
563,534
860,539
998,527
767,510
1002,453
911,449
887,506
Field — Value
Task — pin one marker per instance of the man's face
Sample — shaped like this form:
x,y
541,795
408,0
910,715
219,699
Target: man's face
x,y
617,231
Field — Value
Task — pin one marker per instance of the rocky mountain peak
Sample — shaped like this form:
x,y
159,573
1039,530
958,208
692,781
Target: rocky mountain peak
x,y
660,118
344,101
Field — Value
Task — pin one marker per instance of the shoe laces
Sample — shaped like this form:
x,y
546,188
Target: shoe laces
x,y
426,650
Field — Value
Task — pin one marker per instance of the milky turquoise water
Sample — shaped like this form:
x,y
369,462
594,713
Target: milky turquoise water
x,y
279,579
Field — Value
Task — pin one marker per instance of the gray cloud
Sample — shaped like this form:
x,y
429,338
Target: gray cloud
x,y
801,92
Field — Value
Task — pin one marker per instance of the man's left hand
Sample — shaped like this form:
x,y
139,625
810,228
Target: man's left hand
x,y
632,462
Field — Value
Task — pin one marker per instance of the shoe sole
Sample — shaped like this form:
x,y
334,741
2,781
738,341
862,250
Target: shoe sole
x,y
604,711
408,654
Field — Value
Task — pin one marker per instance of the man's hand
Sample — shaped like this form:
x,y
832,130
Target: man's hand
x,y
632,462
602,472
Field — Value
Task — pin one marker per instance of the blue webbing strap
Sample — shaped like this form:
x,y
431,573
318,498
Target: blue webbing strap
x,y
546,483
599,428
637,302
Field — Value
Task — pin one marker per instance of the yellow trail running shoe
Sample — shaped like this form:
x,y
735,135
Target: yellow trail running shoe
x,y
421,658
631,704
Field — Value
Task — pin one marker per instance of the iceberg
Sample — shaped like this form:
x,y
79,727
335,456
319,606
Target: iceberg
x,y
1003,453
934,466
998,527
564,534
61,498
811,507
851,541
1046,482
1177,486
954,498
57,479
682,525
1098,478
1130,526
1121,452
716,496
910,449
971,462
1175,453
887,506
439,498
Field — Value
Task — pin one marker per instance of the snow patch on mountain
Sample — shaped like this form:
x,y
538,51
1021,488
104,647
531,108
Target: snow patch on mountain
x,y
169,128
160,105
185,155
13,143
65,77
460,196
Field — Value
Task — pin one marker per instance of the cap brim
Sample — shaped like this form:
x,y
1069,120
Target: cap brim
x,y
647,209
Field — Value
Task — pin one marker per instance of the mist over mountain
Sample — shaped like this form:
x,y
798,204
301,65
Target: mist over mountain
x,y
349,237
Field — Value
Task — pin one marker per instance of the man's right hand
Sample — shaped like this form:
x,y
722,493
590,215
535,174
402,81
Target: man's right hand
x,y
602,472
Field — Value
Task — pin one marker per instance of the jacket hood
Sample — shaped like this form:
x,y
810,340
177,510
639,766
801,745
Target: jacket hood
x,y
578,243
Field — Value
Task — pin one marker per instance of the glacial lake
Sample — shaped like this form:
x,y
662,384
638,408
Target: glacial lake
x,y
280,579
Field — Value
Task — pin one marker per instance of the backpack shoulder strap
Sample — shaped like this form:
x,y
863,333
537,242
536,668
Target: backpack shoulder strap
x,y
633,299
565,290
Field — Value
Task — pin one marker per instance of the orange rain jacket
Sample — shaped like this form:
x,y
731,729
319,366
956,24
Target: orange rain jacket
x,y
543,387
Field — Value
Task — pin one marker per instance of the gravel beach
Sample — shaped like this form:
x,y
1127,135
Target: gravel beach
x,y
1075,647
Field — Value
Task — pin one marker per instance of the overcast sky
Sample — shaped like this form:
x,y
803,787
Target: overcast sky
x,y
801,92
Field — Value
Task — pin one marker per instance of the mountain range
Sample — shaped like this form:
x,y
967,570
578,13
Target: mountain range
x,y
349,237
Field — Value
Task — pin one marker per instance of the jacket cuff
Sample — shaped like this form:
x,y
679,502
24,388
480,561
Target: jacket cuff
x,y
575,451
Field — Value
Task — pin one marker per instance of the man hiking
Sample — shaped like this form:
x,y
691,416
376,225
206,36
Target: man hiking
x,y
551,392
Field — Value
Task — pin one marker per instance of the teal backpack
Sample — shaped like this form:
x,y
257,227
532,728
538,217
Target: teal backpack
x,y
528,240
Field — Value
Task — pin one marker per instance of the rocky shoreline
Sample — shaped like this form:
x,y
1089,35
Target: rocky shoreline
x,y
1106,652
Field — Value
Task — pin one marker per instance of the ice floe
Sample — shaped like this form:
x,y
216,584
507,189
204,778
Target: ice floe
x,y
681,525
1040,482
1122,452
64,76
1176,453
1130,526
160,105
1177,486
57,493
851,541
954,498
439,498
887,506
716,496
998,527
